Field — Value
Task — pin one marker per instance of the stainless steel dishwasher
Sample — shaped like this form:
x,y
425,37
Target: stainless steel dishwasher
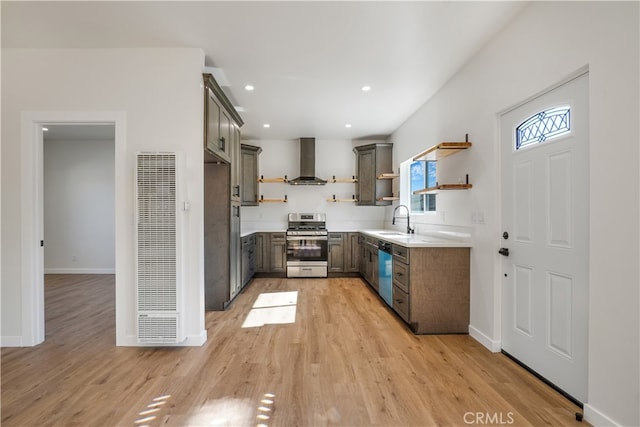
x,y
385,273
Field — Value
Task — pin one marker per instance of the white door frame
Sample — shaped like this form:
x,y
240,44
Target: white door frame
x,y
31,206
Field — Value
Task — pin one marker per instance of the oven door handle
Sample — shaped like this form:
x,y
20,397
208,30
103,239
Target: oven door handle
x,y
307,238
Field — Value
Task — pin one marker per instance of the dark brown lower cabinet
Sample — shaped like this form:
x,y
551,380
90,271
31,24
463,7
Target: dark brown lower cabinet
x,y
271,253
431,289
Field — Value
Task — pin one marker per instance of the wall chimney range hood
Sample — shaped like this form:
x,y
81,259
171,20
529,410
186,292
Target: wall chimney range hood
x,y
307,164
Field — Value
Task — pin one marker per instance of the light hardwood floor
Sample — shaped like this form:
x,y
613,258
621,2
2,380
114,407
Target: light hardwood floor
x,y
346,361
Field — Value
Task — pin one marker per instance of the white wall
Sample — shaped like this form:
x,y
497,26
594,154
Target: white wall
x,y
79,206
546,43
333,158
160,93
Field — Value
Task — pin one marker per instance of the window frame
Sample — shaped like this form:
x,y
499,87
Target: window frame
x,y
406,192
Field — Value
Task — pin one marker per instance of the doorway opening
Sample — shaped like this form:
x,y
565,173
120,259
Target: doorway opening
x,y
79,222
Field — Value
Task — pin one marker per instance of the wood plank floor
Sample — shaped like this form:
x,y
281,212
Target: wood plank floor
x,y
346,361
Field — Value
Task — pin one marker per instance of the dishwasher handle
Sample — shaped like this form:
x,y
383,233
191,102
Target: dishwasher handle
x,y
384,246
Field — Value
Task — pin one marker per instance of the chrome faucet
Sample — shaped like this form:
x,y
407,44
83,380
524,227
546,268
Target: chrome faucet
x,y
393,221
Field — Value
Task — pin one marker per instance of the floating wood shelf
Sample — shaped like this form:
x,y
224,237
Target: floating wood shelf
x,y
263,200
388,176
442,150
443,187
352,199
388,198
273,180
347,180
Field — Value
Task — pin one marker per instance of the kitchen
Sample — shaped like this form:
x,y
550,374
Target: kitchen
x,y
317,247
451,114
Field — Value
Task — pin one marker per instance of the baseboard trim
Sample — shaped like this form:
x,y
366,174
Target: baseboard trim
x,y
597,418
493,345
11,341
79,271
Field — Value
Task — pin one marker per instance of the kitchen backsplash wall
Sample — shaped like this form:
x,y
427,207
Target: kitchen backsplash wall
x,y
333,158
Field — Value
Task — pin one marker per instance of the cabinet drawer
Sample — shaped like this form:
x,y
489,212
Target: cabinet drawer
x,y
335,236
401,275
277,236
401,303
401,253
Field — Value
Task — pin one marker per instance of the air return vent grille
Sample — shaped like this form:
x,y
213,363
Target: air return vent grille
x,y
157,236
157,328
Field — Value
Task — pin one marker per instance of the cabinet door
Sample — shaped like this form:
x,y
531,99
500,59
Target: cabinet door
x,y
248,258
263,254
217,128
235,161
246,268
363,256
212,125
366,185
252,256
336,253
352,253
374,268
225,133
235,254
278,249
249,179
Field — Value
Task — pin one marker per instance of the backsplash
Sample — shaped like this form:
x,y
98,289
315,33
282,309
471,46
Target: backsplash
x,y
333,158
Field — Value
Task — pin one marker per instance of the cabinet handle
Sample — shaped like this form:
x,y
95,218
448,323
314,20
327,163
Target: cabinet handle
x,y
221,143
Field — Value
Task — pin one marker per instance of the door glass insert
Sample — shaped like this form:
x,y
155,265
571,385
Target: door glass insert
x,y
543,126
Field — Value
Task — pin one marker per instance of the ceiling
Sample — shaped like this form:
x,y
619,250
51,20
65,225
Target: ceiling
x,y
308,61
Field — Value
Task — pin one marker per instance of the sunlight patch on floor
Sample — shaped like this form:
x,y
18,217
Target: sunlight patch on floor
x,y
150,412
273,308
225,412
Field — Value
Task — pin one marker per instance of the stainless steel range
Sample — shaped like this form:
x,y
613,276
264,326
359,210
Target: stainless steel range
x,y
307,245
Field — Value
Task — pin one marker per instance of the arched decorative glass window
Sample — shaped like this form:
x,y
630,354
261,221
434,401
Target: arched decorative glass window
x,y
543,126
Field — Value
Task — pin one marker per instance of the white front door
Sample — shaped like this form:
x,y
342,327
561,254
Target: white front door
x,y
545,214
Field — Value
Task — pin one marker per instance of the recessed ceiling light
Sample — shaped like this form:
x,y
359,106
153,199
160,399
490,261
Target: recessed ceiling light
x,y
348,125
266,125
366,88
249,87
45,129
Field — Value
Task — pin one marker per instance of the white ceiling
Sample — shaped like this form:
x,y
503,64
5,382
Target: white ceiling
x,y
307,60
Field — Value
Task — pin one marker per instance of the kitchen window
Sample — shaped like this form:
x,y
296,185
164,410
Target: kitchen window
x,y
418,175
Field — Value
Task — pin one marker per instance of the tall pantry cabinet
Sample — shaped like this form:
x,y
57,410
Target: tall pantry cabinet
x,y
222,244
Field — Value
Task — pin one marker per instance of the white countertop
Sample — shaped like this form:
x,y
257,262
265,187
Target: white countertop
x,y
431,240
